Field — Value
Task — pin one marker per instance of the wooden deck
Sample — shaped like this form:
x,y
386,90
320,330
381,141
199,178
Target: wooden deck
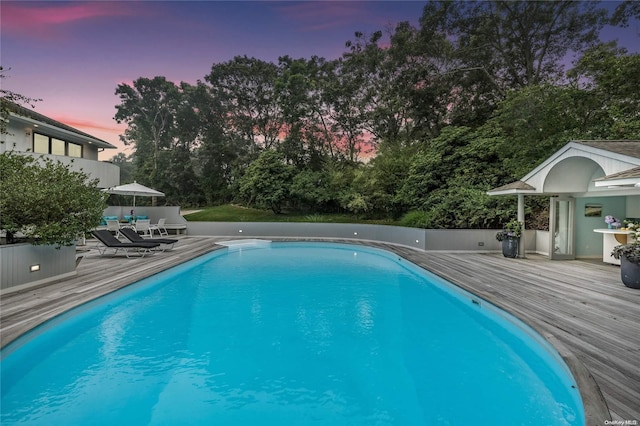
x,y
580,306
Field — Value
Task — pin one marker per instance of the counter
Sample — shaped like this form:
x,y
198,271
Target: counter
x,y
610,239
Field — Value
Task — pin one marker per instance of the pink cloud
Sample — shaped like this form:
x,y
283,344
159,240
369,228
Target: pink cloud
x,y
107,130
89,126
45,21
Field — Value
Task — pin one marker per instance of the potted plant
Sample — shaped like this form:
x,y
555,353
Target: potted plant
x,y
510,238
612,222
629,256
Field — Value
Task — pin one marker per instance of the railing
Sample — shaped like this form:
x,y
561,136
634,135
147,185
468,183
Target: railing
x,y
108,174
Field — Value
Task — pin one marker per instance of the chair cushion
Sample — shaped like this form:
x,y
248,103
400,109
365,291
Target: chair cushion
x,y
106,218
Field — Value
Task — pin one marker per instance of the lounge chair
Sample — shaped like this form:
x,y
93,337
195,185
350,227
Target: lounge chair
x,y
134,237
162,231
108,241
144,226
113,225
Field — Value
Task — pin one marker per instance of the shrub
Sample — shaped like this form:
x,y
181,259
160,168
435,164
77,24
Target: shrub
x,y
45,201
417,219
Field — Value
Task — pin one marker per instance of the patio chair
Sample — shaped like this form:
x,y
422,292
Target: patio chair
x,y
113,225
162,231
144,226
134,237
108,241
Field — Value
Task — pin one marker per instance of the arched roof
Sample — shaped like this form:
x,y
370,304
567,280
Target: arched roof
x,y
583,168
572,175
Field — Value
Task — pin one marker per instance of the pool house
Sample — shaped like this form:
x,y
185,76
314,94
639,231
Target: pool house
x,y
585,182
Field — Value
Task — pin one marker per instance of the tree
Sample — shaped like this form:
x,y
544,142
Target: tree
x,y
532,123
149,109
46,201
311,188
609,76
470,100
181,183
383,177
517,44
499,46
7,100
626,11
432,168
244,88
222,155
125,163
449,178
378,88
339,114
268,180
294,87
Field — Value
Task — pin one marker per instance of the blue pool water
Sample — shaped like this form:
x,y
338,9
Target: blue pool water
x,y
294,334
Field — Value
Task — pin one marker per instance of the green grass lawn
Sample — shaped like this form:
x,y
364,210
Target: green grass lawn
x,y
234,213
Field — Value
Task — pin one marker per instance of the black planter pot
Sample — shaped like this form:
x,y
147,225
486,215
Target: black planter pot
x,y
510,247
630,273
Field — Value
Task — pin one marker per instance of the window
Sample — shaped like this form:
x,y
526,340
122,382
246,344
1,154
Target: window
x,y
40,144
57,147
46,145
75,150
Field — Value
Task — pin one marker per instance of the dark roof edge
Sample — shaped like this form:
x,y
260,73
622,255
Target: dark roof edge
x,y
629,148
22,111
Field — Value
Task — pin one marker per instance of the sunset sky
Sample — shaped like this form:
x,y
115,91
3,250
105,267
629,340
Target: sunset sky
x,y
73,54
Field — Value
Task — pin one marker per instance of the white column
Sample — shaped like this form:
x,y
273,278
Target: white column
x,y
521,250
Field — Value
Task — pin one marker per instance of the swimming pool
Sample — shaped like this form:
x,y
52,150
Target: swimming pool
x,y
297,333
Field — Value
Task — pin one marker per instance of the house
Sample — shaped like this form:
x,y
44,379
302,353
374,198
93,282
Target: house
x,y
585,181
32,133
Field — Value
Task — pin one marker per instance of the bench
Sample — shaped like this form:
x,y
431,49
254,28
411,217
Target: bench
x,y
176,227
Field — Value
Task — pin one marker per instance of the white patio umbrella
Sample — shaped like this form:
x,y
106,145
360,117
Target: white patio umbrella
x,y
134,189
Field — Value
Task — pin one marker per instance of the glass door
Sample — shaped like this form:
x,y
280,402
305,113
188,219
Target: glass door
x,y
561,228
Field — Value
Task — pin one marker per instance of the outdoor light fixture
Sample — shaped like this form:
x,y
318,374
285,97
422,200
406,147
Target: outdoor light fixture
x,y
240,230
355,233
34,268
417,241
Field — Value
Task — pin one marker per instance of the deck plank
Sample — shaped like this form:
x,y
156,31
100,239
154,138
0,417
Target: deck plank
x,y
582,304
